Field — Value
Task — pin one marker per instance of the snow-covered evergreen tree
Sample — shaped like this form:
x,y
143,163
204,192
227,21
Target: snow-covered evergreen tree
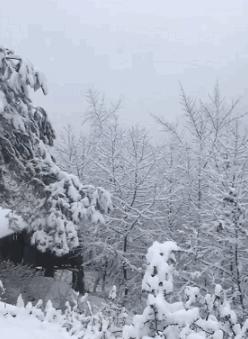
x,y
53,202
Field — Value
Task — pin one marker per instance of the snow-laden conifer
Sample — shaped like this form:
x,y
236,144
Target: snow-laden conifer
x,y
52,202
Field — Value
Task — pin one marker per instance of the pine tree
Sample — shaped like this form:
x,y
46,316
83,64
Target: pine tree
x,y
53,202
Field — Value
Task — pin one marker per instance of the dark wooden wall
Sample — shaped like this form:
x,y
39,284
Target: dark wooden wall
x,y
17,248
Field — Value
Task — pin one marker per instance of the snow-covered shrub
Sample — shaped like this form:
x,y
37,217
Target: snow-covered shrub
x,y
212,318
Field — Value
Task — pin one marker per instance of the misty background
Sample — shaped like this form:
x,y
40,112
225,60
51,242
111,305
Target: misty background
x,y
136,50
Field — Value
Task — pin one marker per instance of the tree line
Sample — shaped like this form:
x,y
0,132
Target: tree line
x,y
191,188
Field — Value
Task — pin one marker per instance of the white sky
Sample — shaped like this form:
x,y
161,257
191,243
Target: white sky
x,y
138,50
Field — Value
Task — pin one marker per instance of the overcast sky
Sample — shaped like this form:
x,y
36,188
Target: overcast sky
x,y
138,50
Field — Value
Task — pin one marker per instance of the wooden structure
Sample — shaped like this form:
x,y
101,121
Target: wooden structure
x,y
17,248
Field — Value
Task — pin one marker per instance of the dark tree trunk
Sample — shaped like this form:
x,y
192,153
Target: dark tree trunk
x,y
78,280
124,268
104,275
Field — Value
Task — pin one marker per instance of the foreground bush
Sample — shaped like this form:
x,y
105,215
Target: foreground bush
x,y
197,317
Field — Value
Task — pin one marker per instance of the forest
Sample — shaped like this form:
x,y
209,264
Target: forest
x,y
107,233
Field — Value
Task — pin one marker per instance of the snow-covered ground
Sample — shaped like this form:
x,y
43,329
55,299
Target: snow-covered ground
x,y
29,328
17,324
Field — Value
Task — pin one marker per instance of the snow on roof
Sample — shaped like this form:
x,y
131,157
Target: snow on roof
x,y
6,227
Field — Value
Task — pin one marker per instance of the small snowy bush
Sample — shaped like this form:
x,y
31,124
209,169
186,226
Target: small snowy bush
x,y
212,318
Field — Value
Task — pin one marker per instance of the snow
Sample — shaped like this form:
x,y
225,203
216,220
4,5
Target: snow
x,y
42,82
2,101
191,294
24,326
9,222
158,268
113,293
4,223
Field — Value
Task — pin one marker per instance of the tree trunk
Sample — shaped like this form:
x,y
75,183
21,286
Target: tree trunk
x,y
78,280
104,275
124,268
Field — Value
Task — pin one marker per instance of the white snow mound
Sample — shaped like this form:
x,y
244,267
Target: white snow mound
x,y
25,326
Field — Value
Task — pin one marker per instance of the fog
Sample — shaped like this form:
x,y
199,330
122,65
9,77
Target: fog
x,y
136,50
